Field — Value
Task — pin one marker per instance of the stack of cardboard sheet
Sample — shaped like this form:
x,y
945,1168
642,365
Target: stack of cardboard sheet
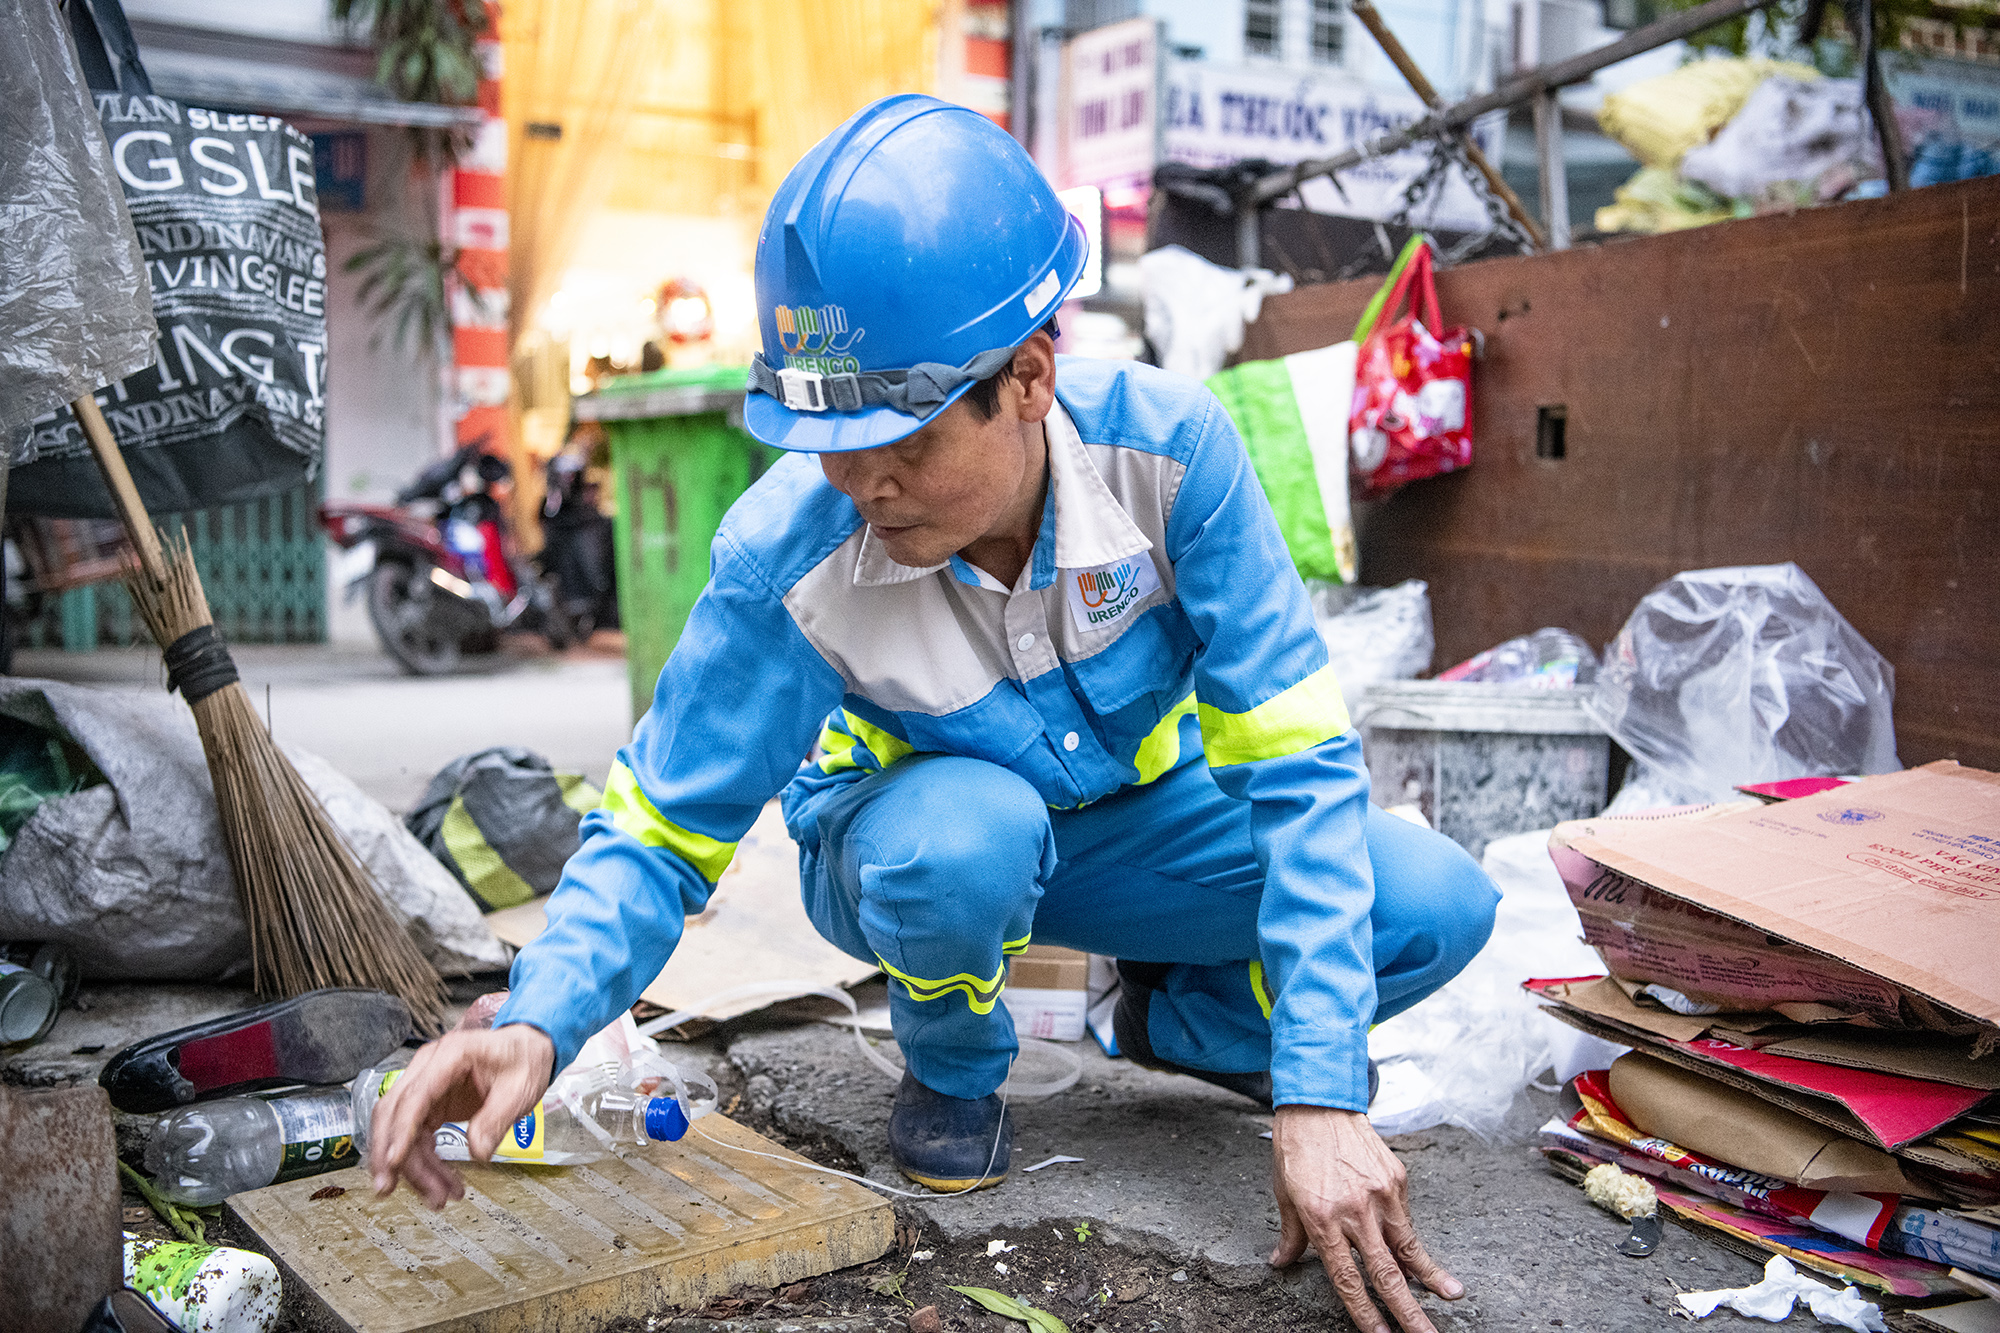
x,y
1811,991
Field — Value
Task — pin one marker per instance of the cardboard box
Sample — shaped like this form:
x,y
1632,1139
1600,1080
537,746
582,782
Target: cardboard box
x,y
1048,992
1882,896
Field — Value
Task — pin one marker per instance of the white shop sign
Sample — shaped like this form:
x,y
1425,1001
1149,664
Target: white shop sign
x,y
1110,104
1216,114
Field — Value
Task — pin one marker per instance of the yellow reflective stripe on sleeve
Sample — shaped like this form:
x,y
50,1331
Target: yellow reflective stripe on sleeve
x,y
1258,989
980,996
577,793
632,813
1295,720
1161,750
491,879
1016,946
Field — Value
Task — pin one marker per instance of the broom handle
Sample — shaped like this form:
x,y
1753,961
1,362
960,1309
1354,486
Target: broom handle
x,y
131,509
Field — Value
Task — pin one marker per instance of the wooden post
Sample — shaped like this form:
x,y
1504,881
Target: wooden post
x,y
1555,178
1371,19
124,495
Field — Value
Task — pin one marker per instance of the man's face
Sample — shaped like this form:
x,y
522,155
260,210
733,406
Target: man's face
x,y
943,488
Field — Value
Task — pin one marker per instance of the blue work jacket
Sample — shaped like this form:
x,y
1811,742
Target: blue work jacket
x,y
1159,621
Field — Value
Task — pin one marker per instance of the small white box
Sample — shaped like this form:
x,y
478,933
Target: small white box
x,y
1054,1015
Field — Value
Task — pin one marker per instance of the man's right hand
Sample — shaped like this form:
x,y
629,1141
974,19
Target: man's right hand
x,y
486,1079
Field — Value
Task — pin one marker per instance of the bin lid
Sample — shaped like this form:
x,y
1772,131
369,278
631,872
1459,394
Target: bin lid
x,y
665,393
1451,705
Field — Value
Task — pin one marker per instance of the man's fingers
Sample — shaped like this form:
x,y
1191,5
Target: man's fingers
x,y
1291,1233
1416,1260
1346,1280
1386,1276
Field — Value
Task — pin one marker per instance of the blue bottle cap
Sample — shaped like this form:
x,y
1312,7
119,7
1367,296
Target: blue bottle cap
x,y
665,1121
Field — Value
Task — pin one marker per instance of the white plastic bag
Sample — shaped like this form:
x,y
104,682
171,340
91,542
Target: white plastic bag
x,y
1748,674
1373,634
1195,310
1462,1056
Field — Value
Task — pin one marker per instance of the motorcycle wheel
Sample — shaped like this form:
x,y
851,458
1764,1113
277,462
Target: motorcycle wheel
x,y
400,608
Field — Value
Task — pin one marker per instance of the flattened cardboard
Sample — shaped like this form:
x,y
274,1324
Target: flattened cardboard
x,y
754,929
1896,876
1730,1125
1882,1109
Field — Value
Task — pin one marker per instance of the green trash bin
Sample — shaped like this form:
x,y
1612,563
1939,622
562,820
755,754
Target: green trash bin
x,y
679,459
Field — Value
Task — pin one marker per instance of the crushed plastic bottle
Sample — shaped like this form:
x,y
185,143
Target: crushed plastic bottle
x,y
1550,657
589,1113
204,1288
203,1153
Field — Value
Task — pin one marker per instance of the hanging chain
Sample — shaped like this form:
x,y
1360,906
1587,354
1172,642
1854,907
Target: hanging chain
x,y
1448,151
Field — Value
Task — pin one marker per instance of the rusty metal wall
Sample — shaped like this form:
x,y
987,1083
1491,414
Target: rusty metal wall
x,y
1823,387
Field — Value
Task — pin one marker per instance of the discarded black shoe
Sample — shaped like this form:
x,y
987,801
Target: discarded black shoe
x,y
323,1036
950,1144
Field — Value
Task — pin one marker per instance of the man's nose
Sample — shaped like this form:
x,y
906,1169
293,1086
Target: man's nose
x,y
860,475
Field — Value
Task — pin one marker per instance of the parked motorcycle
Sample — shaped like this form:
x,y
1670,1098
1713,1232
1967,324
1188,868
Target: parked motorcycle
x,y
438,567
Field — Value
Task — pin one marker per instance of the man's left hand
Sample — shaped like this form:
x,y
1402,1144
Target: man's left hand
x,y
1341,1190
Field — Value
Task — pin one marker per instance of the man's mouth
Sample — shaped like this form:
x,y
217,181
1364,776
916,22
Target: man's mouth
x,y
893,530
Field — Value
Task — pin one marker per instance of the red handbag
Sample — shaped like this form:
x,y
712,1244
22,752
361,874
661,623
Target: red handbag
x,y
1412,414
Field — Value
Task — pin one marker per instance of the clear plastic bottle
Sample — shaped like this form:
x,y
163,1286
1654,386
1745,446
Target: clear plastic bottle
x,y
202,1154
586,1115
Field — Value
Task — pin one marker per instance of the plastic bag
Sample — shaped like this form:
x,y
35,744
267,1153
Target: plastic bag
x,y
1292,414
1748,674
1789,130
1412,415
1462,1056
76,309
1195,310
1373,634
504,822
1549,658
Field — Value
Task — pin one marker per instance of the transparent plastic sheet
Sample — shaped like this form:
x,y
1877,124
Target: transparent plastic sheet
x,y
1373,634
76,308
1463,1056
1746,674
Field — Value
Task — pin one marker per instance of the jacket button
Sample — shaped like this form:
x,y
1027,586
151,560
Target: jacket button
x,y
1025,642
1069,741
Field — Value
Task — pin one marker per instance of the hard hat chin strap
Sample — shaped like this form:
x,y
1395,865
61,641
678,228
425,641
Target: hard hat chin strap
x,y
915,392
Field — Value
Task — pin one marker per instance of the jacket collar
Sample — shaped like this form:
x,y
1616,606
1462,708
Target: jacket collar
x,y
1083,525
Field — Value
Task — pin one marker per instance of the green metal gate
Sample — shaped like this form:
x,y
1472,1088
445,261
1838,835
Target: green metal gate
x,y
263,566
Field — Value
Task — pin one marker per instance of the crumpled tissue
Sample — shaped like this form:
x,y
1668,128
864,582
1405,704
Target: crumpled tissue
x,y
1772,1300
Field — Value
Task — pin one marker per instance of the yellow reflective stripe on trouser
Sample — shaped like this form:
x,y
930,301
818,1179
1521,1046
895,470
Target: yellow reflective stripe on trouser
x,y
1016,946
1296,720
577,793
980,995
1161,750
838,748
632,813
1257,988
491,879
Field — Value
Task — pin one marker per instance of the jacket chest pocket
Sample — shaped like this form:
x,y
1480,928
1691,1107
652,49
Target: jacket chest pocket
x,y
1149,664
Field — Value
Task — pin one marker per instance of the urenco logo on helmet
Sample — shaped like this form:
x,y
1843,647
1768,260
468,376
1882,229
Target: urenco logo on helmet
x,y
878,312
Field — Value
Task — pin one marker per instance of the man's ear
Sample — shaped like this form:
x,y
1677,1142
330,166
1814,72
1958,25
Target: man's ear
x,y
1034,378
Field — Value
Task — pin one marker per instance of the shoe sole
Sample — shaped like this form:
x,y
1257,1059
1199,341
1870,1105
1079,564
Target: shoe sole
x,y
965,1186
324,1036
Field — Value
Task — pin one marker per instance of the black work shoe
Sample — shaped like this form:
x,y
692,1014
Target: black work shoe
x,y
950,1144
1138,981
323,1036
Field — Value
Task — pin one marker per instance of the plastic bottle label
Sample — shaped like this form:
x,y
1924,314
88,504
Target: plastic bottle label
x,y
319,1134
521,1143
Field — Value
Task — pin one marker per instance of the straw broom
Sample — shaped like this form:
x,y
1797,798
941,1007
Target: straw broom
x,y
314,915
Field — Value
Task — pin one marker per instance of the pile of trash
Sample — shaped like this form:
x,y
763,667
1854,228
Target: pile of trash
x,y
1733,138
1805,983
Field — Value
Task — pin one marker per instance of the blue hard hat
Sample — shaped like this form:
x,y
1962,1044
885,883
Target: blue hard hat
x,y
902,261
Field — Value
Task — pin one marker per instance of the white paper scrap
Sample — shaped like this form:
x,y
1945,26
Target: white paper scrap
x,y
1772,1300
1053,1161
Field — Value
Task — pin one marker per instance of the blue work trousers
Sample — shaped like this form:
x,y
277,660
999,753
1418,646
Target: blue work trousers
x,y
940,866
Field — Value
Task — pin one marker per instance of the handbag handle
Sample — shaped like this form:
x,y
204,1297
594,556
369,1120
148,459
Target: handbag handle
x,y
1388,298
106,30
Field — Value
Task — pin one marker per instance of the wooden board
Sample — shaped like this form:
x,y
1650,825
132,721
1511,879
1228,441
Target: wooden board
x,y
754,929
1822,388
567,1249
